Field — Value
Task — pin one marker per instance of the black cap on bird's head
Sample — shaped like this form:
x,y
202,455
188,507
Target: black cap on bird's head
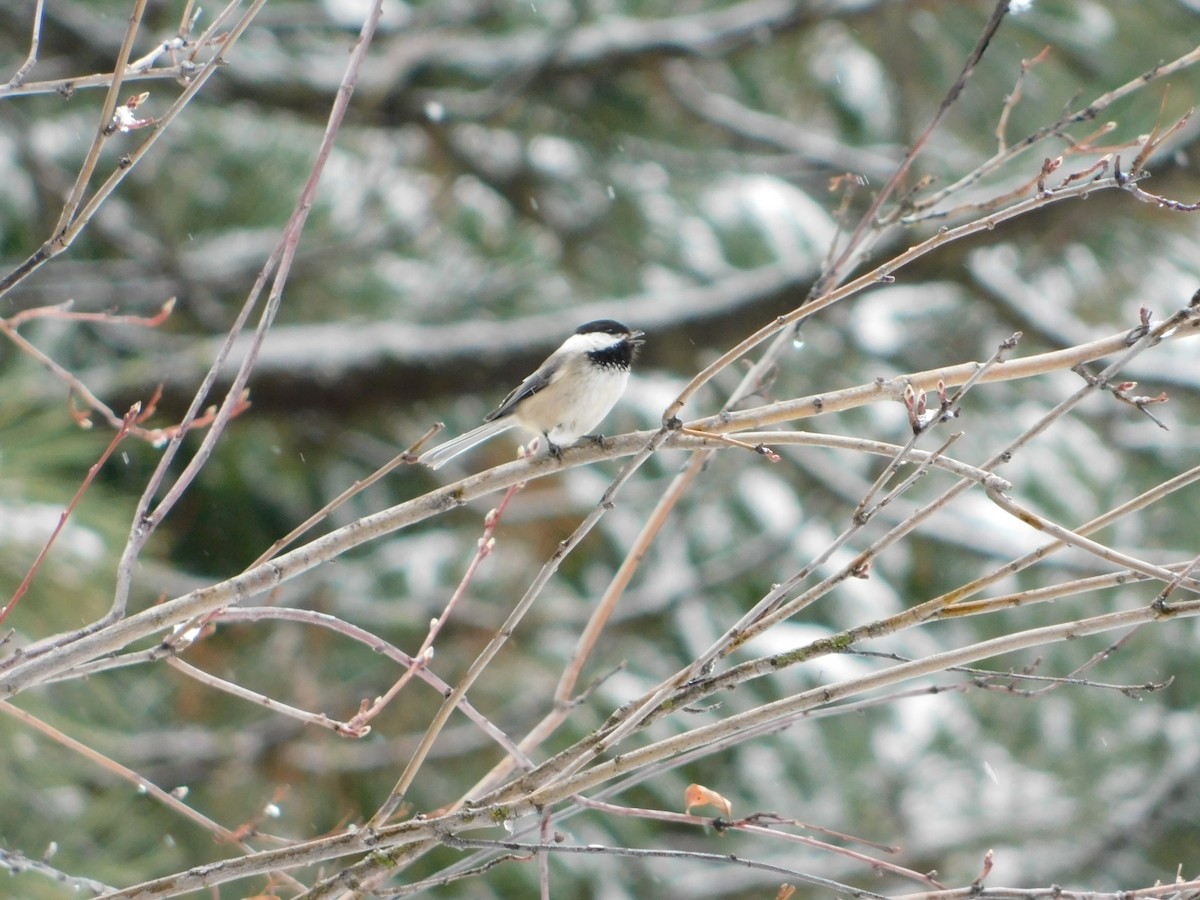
x,y
603,326
610,326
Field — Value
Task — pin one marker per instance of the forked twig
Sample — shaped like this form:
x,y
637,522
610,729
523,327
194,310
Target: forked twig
x,y
423,656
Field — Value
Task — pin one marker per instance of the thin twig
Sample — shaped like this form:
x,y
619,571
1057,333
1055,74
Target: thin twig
x,y
166,798
16,863
122,432
843,890
424,654
854,243
234,689
893,389
755,823
1086,113
34,41
63,311
1177,890
1073,539
75,197
406,456
377,645
1014,97
948,407
987,677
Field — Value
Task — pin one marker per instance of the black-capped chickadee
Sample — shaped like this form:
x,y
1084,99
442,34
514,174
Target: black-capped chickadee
x,y
568,395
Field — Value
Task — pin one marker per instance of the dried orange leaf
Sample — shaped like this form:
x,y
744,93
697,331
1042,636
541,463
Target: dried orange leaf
x,y
699,795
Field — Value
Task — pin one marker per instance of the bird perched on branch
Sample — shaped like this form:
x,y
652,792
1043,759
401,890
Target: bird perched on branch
x,y
568,395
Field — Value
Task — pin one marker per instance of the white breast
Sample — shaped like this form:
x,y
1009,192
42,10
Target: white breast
x,y
567,415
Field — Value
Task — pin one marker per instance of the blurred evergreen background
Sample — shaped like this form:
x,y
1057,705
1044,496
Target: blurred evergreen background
x,y
509,170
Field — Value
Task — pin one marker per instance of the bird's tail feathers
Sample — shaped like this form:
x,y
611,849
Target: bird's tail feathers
x,y
438,456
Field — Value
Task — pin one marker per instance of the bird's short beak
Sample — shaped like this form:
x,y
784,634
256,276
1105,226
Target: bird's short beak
x,y
635,337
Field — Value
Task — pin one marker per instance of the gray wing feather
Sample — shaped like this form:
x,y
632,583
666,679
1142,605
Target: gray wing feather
x,y
527,388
